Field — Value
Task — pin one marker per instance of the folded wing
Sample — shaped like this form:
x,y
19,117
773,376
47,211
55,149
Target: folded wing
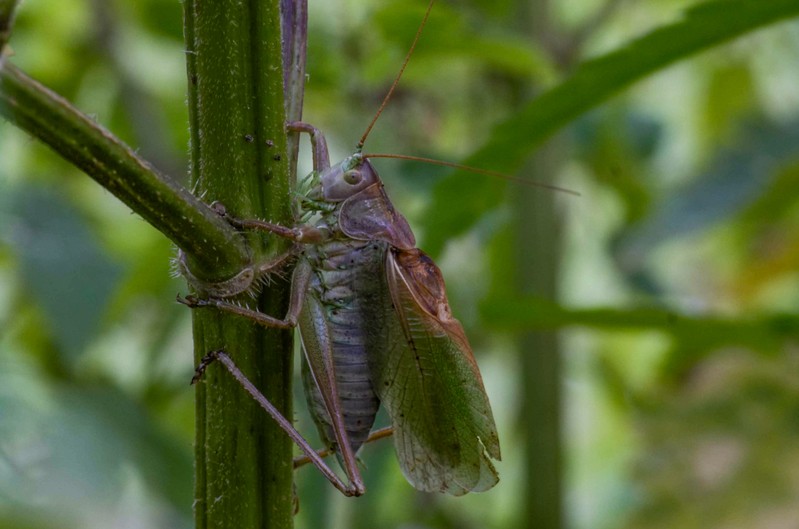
x,y
428,380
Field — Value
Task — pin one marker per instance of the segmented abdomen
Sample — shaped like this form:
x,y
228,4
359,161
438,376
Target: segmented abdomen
x,y
347,281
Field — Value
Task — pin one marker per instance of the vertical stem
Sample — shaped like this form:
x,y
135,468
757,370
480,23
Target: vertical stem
x,y
239,157
538,258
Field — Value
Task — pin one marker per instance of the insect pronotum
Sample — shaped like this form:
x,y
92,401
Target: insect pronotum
x,y
375,327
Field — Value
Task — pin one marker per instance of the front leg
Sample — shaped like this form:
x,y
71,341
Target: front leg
x,y
321,157
302,234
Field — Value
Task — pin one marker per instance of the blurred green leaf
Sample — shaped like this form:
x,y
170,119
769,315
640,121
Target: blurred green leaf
x,y
462,198
730,97
448,38
32,519
616,144
159,17
736,179
778,200
719,449
62,268
106,430
76,445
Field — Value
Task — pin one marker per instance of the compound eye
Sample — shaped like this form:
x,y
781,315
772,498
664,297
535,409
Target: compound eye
x,y
353,177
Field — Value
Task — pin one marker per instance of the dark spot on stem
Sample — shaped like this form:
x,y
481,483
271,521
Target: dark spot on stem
x,y
276,157
249,138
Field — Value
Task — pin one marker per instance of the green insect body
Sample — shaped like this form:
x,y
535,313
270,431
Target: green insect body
x,y
383,306
376,326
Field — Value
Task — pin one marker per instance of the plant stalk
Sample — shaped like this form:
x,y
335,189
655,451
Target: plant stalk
x,y
239,157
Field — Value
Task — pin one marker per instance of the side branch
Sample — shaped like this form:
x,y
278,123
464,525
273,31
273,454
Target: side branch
x,y
211,243
535,313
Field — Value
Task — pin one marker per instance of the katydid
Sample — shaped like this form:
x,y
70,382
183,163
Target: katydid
x,y
375,327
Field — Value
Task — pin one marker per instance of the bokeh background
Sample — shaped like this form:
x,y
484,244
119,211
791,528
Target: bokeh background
x,y
660,337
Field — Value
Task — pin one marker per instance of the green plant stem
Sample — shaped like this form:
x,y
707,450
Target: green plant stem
x,y
537,257
533,313
212,243
536,228
239,157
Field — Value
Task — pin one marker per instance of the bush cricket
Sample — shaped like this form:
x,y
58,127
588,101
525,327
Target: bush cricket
x,y
375,327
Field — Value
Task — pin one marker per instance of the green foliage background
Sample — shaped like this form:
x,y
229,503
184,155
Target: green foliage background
x,y
676,274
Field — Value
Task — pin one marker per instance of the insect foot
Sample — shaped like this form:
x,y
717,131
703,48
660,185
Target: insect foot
x,y
218,208
192,301
206,361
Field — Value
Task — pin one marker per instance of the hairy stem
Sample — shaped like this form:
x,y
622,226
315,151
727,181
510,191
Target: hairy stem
x,y
239,157
210,241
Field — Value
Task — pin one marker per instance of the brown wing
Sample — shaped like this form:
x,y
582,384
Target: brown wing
x,y
428,379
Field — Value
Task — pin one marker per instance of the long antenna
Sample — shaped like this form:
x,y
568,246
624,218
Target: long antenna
x,y
396,79
511,178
